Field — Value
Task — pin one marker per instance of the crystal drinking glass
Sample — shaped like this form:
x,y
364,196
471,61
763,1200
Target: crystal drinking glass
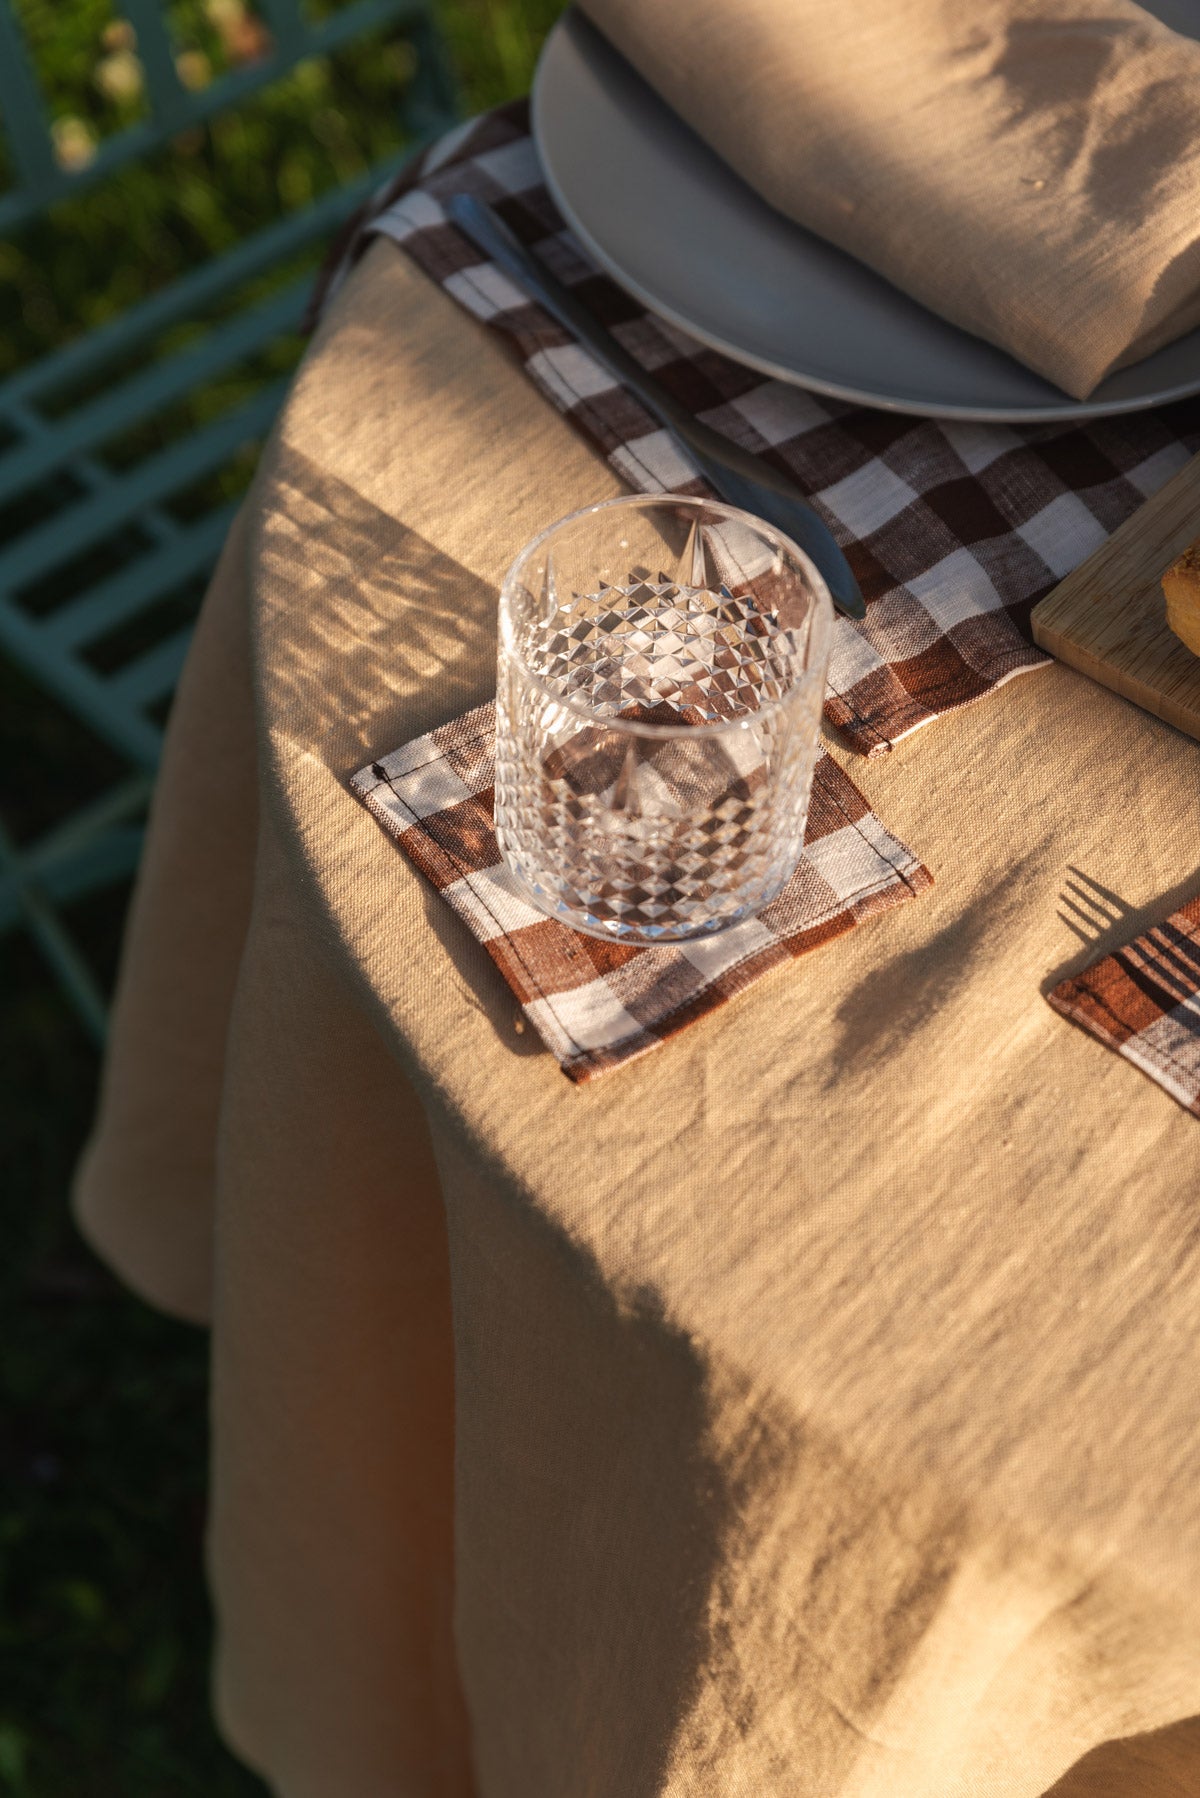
x,y
658,710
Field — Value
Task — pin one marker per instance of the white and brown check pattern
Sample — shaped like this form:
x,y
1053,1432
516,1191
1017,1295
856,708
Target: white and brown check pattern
x,y
1144,1002
596,1004
954,530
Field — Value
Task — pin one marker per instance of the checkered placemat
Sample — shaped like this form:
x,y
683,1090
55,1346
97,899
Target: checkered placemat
x,y
596,1004
954,530
1144,1002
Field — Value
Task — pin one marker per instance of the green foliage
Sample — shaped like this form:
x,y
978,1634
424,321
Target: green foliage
x,y
495,44
104,1631
329,120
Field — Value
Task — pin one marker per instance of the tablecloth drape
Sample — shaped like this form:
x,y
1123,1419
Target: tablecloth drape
x,y
810,1409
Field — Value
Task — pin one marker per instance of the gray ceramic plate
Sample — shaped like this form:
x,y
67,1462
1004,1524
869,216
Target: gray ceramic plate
x,y
676,227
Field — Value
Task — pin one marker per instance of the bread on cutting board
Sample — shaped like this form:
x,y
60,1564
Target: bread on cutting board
x,y
1181,584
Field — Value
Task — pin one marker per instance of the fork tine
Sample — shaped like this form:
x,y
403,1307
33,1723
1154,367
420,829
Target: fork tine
x,y
1089,902
1085,939
1106,893
1088,916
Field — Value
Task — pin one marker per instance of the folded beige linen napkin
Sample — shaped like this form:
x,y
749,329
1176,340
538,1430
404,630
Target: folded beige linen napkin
x,y
1029,169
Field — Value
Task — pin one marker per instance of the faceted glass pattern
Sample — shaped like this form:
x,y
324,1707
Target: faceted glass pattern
x,y
661,642
656,732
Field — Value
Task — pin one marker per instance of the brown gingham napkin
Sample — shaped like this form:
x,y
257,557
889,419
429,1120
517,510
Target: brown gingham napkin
x,y
1144,1002
597,1005
954,530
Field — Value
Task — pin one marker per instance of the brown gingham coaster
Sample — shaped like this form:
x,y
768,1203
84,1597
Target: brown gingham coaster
x,y
595,1004
954,529
1144,1002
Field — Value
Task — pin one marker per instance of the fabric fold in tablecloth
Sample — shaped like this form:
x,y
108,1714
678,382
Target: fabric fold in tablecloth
x,y
955,530
595,1004
1144,1002
1026,168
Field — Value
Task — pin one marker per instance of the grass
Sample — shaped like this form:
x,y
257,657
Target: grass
x,y
104,1628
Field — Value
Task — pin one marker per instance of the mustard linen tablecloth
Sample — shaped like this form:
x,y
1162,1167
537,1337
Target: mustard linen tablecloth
x,y
810,1411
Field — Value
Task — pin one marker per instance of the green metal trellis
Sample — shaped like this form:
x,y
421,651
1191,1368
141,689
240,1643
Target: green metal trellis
x,y
49,439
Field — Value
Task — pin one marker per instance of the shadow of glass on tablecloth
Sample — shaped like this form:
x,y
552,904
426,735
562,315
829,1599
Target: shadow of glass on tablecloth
x,y
881,1016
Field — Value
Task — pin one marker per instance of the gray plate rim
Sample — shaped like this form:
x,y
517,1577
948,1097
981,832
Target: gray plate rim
x,y
1056,410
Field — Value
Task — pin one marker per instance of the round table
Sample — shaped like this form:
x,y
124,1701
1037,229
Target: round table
x,y
808,1409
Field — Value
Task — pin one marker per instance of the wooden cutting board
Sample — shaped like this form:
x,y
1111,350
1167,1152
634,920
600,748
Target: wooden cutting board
x,y
1108,618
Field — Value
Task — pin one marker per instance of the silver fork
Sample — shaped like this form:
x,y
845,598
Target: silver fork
x,y
735,474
